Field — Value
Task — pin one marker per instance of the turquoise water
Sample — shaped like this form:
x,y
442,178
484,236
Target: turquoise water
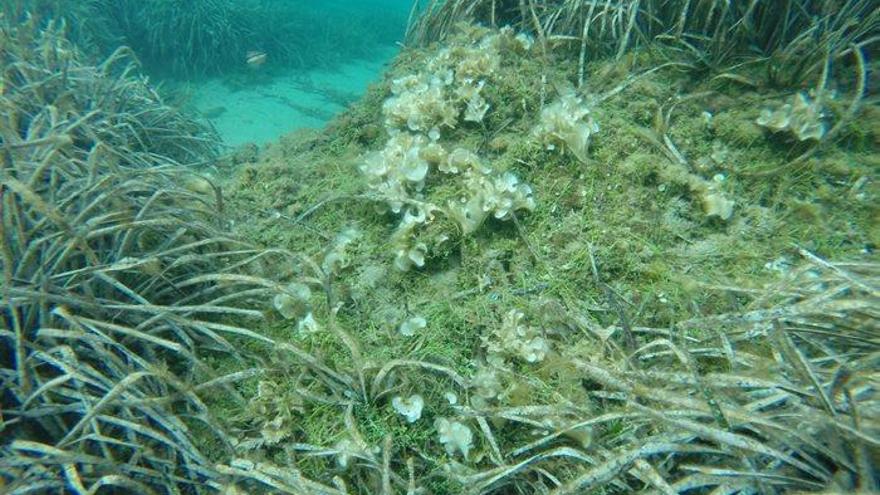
x,y
314,57
259,104
263,110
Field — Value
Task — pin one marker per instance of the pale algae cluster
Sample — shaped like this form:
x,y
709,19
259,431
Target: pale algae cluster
x,y
424,107
804,117
567,123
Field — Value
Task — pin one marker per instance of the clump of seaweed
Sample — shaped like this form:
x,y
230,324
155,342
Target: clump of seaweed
x,y
423,108
122,109
799,35
802,118
567,123
299,380
781,396
115,274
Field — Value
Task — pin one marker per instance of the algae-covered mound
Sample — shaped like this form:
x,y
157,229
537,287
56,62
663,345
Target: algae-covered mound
x,y
525,283
596,252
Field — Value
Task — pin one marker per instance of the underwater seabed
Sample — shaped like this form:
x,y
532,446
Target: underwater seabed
x,y
506,269
261,106
511,284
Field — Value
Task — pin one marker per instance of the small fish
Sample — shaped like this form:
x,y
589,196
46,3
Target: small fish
x,y
255,59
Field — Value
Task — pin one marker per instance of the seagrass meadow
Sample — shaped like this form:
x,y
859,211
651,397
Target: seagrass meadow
x,y
559,247
197,38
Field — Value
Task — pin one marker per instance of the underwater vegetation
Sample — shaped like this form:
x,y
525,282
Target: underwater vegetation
x,y
193,38
115,271
579,247
798,35
625,310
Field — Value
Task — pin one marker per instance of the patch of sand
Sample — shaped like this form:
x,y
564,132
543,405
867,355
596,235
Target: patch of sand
x,y
261,107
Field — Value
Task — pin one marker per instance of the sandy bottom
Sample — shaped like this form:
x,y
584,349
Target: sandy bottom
x,y
260,107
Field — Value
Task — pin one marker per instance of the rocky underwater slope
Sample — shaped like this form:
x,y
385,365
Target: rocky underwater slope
x,y
518,265
656,280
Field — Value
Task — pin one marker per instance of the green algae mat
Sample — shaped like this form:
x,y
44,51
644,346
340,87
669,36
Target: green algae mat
x,y
516,285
